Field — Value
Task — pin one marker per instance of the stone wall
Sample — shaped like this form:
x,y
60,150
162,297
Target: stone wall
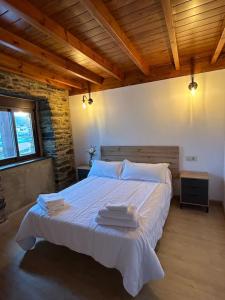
x,y
54,122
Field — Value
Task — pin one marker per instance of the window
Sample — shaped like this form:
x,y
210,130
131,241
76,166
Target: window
x,y
18,130
24,132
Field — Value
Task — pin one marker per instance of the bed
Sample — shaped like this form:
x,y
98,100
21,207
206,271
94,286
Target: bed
x,y
129,251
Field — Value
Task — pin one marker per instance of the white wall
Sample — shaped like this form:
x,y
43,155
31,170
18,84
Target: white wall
x,y
159,113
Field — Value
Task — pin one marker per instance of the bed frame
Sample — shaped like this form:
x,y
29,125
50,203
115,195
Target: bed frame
x,y
145,154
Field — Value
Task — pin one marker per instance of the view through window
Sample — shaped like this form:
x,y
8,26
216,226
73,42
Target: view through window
x,y
17,138
24,132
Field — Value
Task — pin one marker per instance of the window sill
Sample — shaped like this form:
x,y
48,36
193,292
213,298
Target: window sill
x,y
22,163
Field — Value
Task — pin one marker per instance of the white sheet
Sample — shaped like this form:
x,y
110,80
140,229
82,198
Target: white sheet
x,y
131,251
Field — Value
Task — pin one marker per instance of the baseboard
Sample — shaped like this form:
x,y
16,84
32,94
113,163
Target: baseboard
x,y
176,199
215,202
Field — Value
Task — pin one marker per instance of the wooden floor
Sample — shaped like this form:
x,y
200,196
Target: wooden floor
x,y
192,253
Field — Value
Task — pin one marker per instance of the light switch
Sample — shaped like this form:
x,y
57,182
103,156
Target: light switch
x,y
191,158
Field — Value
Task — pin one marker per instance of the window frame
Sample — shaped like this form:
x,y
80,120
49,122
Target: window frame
x,y
13,104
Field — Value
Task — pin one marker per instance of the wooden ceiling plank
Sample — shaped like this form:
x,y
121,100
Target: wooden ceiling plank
x,y
199,30
53,7
196,39
134,8
42,22
219,12
167,9
188,5
138,14
101,13
117,5
15,42
208,8
60,6
33,70
205,23
145,18
219,46
204,43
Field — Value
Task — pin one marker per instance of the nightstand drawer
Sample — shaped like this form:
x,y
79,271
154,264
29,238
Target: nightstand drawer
x,y
196,184
194,191
194,198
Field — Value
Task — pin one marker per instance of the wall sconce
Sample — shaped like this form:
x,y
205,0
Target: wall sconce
x,y
88,99
193,84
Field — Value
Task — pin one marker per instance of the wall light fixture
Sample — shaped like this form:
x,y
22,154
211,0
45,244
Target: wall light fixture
x,y
193,84
88,99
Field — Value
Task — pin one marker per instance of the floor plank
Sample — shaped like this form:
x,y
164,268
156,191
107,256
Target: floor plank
x,y
192,253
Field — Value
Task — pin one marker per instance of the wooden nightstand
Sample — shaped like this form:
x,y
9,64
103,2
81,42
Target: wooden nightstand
x,y
194,189
82,172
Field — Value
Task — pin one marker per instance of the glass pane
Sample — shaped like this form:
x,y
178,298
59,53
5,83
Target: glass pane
x,y
24,131
7,139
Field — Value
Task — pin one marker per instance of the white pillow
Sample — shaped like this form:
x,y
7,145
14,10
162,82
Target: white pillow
x,y
145,172
169,177
102,168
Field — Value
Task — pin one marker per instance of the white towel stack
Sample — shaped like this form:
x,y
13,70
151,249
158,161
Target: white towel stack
x,y
118,215
51,203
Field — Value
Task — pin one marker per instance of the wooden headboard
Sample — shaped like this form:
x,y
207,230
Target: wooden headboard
x,y
145,154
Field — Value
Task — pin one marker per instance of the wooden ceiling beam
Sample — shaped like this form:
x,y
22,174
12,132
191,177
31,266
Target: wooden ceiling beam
x,y
36,78
158,73
219,47
32,15
102,15
17,43
36,72
168,13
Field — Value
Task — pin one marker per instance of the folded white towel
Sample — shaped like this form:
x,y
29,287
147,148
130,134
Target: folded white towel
x,y
116,222
129,214
49,201
120,207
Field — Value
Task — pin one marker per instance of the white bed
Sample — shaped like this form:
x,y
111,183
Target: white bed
x,y
131,251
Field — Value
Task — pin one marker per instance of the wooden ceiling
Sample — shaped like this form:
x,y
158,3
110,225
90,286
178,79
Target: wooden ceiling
x,y
110,43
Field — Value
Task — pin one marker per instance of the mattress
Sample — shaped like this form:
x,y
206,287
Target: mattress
x,y
131,251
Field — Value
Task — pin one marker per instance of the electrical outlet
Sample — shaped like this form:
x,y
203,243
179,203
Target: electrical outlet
x,y
191,158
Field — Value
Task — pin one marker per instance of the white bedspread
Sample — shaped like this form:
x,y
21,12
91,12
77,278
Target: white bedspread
x,y
131,251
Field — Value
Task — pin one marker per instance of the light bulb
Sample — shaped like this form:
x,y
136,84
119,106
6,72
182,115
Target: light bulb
x,y
193,90
193,87
84,105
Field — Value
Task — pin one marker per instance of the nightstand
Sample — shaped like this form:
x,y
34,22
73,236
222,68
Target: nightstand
x,y
82,172
194,189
